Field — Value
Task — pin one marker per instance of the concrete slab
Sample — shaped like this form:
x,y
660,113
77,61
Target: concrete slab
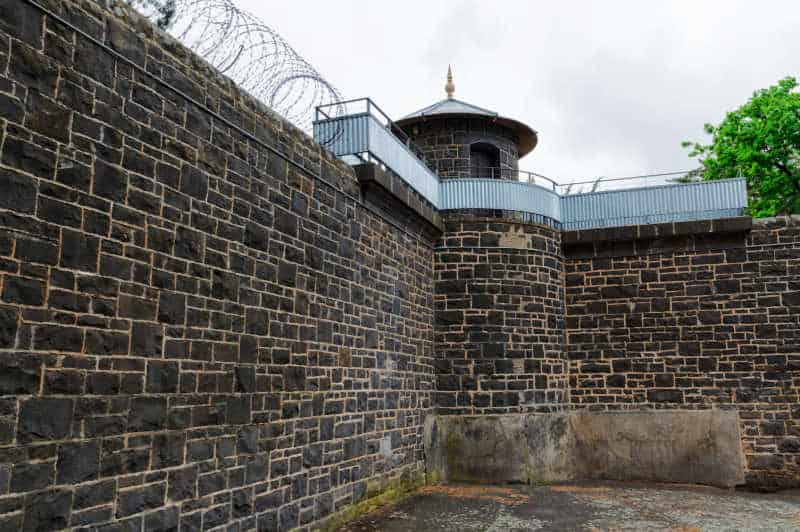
x,y
695,446
585,506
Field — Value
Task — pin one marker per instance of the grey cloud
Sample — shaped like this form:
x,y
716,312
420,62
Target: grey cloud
x,y
612,87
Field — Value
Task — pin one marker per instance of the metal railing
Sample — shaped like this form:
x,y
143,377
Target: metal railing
x,y
495,172
677,202
358,131
499,194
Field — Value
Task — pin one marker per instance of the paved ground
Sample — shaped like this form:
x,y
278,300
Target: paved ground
x,y
593,507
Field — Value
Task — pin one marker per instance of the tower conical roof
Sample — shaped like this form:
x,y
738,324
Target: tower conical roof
x,y
453,108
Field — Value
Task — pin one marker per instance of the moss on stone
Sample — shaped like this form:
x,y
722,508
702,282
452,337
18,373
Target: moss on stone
x,y
379,494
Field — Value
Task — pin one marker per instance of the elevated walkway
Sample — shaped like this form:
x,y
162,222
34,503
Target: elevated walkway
x,y
358,132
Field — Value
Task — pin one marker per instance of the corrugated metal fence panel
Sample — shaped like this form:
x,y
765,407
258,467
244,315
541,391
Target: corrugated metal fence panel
x,y
343,136
499,194
402,161
668,203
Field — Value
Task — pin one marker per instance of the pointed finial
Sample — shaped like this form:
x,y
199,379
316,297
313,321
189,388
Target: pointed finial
x,y
449,87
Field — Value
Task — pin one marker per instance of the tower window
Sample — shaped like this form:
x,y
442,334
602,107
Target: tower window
x,y
484,160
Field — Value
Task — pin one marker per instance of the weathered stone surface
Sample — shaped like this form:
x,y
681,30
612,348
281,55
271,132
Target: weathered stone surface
x,y
700,447
77,462
44,419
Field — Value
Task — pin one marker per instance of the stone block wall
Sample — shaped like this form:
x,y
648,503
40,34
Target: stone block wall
x,y
201,323
446,145
692,316
499,318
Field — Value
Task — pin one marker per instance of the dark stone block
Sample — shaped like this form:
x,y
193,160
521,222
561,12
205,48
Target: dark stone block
x,y
46,117
32,69
110,182
171,308
665,396
211,483
30,477
78,462
287,517
8,326
238,410
137,500
19,375
168,450
23,291
708,317
449,317
194,182
147,414
294,378
189,244
620,292
247,441
11,109
256,321
100,342
286,222
182,484
19,191
96,494
256,236
136,308
287,274
102,383
165,520
791,446
44,419
21,21
790,299
59,212
63,382
49,510
159,239
146,339
245,379
162,377
79,251
38,251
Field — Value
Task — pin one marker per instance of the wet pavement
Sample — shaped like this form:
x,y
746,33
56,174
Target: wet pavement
x,y
592,507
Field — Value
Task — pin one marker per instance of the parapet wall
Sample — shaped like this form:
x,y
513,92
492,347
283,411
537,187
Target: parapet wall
x,y
202,324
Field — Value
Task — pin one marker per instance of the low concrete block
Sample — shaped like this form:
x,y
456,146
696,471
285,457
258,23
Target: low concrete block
x,y
701,447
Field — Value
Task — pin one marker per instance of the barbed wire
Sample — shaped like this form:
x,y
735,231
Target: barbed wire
x,y
248,51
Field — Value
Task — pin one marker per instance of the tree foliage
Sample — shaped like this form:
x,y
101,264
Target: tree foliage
x,y
761,141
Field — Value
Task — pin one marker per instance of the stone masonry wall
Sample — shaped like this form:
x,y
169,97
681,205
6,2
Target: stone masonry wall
x,y
196,332
446,145
499,318
693,316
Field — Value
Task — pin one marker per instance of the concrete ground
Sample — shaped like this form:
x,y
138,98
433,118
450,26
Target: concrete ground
x,y
593,507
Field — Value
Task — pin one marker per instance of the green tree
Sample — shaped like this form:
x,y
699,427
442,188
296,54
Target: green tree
x,y
761,141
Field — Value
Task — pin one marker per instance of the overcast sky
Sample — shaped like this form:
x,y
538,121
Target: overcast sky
x,y
612,87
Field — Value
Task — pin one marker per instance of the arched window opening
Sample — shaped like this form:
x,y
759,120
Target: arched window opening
x,y
484,160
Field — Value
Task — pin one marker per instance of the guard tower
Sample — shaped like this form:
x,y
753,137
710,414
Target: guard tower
x,y
463,140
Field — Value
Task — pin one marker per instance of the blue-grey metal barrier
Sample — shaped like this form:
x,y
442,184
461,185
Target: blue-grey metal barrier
x,y
496,194
664,203
369,135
